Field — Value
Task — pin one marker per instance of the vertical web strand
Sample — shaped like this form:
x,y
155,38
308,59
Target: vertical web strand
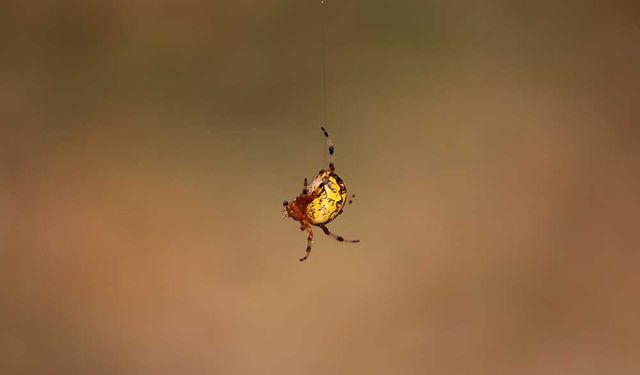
x,y
324,64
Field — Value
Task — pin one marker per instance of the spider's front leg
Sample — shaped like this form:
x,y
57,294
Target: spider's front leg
x,y
309,240
335,236
305,191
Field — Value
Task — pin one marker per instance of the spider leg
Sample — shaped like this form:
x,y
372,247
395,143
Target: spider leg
x,y
309,241
305,190
335,236
330,146
351,198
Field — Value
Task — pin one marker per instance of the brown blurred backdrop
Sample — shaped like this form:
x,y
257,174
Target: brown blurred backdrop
x,y
146,147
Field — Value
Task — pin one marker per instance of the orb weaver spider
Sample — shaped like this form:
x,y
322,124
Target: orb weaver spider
x,y
320,202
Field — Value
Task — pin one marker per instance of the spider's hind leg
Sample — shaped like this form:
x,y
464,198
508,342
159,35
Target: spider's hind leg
x,y
351,198
309,241
331,150
335,236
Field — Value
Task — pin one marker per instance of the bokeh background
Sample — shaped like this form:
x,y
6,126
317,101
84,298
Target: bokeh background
x,y
146,147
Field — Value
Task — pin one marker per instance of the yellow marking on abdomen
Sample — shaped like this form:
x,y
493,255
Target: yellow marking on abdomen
x,y
329,202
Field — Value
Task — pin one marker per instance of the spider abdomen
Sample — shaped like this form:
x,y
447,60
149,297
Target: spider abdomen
x,y
330,197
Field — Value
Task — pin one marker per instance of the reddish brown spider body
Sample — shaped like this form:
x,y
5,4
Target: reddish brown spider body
x,y
296,209
320,202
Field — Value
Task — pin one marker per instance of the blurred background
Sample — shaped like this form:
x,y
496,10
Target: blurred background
x,y
146,148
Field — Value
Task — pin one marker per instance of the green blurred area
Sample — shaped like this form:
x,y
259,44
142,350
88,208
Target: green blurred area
x,y
146,148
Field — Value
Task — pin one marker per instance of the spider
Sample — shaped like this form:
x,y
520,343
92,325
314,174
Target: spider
x,y
320,202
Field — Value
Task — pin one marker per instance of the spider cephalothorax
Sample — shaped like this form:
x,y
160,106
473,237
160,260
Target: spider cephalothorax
x,y
320,202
